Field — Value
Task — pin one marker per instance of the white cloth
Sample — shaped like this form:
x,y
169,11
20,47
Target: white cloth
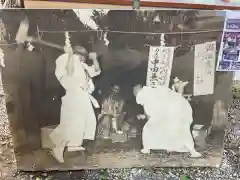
x,y
170,117
77,120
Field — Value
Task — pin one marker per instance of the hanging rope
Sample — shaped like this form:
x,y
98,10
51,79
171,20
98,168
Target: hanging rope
x,y
135,32
40,32
68,49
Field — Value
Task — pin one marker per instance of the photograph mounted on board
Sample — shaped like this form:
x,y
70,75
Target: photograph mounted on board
x,y
229,54
88,89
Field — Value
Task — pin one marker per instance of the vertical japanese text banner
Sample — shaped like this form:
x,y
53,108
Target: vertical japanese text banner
x,y
159,66
204,68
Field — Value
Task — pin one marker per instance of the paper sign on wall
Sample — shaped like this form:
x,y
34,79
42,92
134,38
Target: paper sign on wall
x,y
159,66
204,67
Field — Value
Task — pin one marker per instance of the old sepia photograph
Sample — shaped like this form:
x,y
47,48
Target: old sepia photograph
x,y
88,89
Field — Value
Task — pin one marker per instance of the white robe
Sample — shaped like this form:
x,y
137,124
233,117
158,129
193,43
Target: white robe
x,y
170,117
77,120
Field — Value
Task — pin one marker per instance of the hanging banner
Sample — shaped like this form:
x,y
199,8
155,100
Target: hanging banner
x,y
229,53
204,67
159,66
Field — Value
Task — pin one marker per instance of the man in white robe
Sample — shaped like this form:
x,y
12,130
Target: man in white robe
x,y
77,120
169,119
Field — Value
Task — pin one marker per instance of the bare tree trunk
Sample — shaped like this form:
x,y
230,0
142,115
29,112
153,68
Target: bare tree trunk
x,y
220,115
223,96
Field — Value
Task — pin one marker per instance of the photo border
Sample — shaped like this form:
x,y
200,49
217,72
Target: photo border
x,y
148,4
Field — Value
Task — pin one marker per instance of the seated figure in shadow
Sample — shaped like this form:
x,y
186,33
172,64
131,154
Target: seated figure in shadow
x,y
111,119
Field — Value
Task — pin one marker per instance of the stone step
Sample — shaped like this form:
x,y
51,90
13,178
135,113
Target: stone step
x,y
119,137
200,133
45,133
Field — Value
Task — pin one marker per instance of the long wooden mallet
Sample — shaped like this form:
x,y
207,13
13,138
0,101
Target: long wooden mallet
x,y
22,36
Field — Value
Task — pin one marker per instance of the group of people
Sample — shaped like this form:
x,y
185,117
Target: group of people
x,y
167,126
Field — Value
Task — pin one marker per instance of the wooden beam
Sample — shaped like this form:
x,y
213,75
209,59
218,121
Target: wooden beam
x,y
60,5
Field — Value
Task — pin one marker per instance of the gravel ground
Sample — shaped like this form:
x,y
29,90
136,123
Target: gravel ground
x,y
229,169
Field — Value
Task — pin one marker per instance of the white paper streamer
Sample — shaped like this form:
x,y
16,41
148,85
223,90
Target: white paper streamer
x,y
2,64
85,16
30,47
204,68
106,41
162,40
